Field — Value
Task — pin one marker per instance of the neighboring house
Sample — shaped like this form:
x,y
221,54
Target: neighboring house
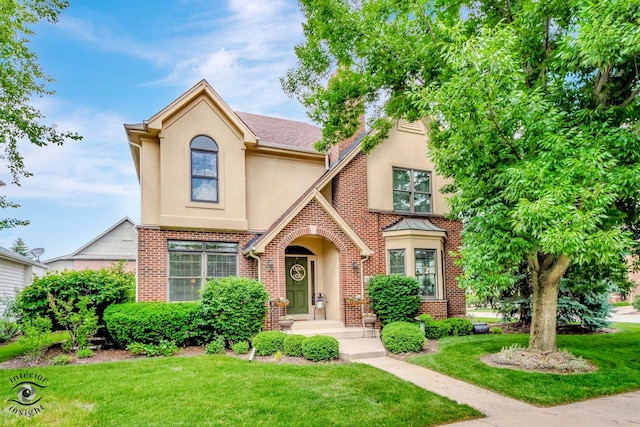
x,y
118,243
228,193
16,272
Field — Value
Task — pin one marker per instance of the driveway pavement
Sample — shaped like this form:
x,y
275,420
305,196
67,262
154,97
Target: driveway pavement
x,y
622,410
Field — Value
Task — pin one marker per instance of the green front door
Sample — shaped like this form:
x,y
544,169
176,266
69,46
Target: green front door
x,y
297,285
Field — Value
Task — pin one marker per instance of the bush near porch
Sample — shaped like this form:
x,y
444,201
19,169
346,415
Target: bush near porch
x,y
394,298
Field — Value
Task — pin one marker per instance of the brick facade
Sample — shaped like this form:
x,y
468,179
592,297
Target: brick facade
x,y
349,189
153,257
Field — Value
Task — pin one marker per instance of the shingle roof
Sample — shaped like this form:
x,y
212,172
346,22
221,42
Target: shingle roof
x,y
273,130
414,224
7,254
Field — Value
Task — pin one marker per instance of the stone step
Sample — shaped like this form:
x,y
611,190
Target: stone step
x,y
361,348
301,325
338,333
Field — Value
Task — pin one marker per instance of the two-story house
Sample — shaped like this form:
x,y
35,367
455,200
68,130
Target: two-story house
x,y
228,193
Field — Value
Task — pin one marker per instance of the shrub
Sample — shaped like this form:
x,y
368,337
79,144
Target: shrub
x,y
402,337
425,317
293,345
62,359
241,347
496,330
233,307
268,342
135,349
151,322
103,287
163,348
34,338
636,302
394,297
320,347
435,330
84,353
77,318
216,346
458,326
8,329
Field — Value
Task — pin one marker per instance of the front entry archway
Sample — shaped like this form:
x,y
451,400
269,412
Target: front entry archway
x,y
297,282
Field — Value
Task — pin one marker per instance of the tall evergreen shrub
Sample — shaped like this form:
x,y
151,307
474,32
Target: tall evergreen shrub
x,y
394,298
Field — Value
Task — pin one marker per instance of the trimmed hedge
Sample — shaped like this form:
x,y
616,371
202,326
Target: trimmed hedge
x,y
320,347
293,345
453,326
268,342
459,326
402,337
394,298
151,322
435,330
233,307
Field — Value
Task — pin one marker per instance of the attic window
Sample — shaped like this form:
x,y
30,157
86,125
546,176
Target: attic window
x,y
204,169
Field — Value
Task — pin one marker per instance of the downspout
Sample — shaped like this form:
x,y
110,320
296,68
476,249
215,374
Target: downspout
x,y
252,255
362,279
139,148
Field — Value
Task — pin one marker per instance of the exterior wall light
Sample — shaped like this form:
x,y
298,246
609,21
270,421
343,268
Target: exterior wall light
x,y
270,265
355,266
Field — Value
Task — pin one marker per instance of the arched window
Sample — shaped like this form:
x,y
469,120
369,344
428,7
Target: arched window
x,y
204,169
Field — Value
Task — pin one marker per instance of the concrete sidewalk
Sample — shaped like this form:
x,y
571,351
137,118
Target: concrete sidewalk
x,y
621,410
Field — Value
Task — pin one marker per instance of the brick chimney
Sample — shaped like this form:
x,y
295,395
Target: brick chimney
x,y
336,151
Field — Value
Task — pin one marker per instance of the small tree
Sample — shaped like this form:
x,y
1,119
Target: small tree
x,y
20,247
77,318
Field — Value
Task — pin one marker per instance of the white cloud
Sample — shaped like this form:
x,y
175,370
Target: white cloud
x,y
78,172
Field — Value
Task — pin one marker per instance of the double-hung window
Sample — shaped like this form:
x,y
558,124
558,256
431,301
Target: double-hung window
x,y
204,169
192,263
396,261
426,271
411,191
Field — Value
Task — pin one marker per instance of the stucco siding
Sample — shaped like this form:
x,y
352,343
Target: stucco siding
x,y
406,148
274,184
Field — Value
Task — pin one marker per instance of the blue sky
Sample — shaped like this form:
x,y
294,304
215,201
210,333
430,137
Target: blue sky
x,y
121,61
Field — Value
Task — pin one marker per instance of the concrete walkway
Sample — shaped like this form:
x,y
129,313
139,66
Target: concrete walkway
x,y
622,410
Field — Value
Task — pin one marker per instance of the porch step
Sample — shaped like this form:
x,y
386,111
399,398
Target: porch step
x,y
338,333
300,326
361,348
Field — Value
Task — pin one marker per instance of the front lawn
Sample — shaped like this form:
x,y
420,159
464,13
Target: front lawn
x,y
615,354
224,391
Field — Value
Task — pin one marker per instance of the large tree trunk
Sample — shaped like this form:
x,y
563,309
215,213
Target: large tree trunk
x,y
545,280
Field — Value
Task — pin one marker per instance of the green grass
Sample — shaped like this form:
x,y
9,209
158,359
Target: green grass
x,y
616,356
224,391
621,304
13,349
485,319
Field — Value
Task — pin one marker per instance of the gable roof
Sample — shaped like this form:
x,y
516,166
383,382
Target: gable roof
x,y
259,245
16,257
275,131
78,252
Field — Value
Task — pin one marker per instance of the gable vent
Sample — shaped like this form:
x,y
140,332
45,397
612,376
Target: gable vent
x,y
413,127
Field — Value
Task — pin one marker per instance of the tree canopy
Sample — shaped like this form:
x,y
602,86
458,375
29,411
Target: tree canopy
x,y
21,80
534,117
